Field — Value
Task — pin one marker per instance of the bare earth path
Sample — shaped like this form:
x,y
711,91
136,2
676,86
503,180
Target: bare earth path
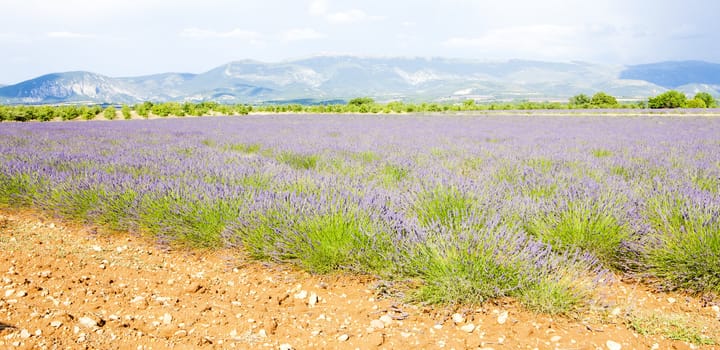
x,y
65,286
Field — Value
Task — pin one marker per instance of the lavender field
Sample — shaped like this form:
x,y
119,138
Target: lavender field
x,y
467,208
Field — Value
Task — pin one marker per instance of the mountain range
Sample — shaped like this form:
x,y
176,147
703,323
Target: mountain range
x,y
338,78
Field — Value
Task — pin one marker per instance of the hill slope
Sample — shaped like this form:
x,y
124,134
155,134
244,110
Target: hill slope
x,y
343,77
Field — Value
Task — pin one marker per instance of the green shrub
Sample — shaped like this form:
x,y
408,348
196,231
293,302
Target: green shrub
x,y
392,174
320,241
247,148
602,99
193,222
298,161
668,99
486,262
126,112
446,206
455,273
589,225
686,253
696,103
580,100
601,153
708,99
109,113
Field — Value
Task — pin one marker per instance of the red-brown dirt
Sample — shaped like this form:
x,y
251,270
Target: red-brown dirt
x,y
67,286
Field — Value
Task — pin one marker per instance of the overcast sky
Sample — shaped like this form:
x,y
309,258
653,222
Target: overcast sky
x,y
136,37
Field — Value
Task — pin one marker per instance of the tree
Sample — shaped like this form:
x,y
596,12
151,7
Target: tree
x,y
579,100
109,113
44,113
696,103
125,109
5,113
668,99
359,101
709,100
142,110
87,113
602,99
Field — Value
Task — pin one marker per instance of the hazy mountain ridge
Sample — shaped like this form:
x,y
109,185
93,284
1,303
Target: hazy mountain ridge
x,y
343,77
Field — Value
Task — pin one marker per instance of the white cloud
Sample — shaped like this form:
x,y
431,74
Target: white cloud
x,y
320,8
685,31
522,36
546,41
76,8
69,35
197,33
8,36
302,34
350,16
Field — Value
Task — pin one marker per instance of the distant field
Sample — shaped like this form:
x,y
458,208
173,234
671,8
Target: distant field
x,y
469,207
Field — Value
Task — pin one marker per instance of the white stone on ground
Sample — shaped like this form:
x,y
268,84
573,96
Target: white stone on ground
x,y
611,345
468,328
377,324
502,318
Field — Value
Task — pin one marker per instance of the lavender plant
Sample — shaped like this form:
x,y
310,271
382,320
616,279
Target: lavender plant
x,y
471,207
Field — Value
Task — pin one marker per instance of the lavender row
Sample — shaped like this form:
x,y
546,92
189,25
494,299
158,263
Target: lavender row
x,y
473,207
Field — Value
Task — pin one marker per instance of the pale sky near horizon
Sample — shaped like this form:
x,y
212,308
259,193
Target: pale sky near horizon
x,y
138,37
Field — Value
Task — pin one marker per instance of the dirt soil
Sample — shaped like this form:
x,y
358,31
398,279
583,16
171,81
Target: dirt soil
x,y
68,286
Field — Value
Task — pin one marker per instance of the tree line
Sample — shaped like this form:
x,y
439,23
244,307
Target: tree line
x,y
669,99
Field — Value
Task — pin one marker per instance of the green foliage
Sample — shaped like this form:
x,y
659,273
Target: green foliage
x,y
580,100
671,326
109,113
542,165
143,109
74,205
392,174
589,225
18,191
602,99
621,171
89,113
601,153
706,180
320,242
366,157
687,252
356,105
298,161
507,172
472,271
539,191
446,206
126,111
336,241
454,272
116,210
696,103
360,101
560,295
167,109
247,148
708,99
668,99
194,222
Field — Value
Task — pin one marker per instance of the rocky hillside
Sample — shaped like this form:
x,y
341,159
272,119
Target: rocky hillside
x,y
325,78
